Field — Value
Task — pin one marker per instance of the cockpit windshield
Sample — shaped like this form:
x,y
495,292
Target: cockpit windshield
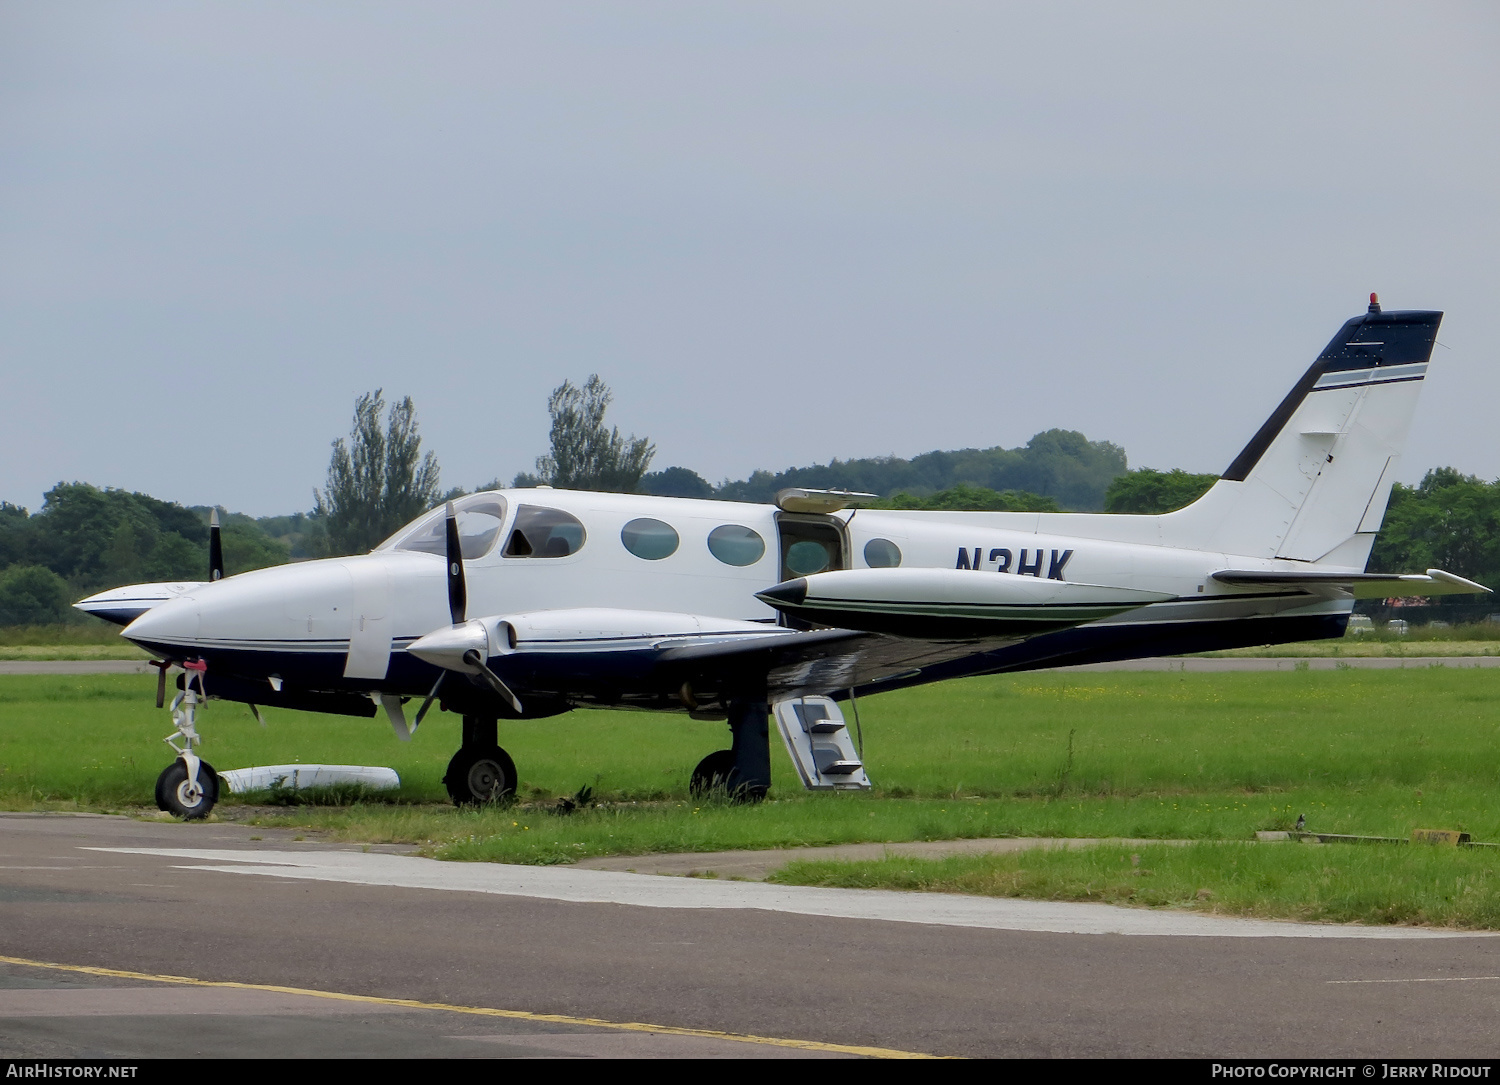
x,y
480,518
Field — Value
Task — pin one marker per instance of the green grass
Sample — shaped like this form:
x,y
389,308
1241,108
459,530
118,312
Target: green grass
x,y
1363,648
120,650
1460,631
1444,887
84,630
1201,756
1206,757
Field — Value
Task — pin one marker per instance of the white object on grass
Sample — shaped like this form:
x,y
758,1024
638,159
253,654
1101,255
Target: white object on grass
x,y
264,777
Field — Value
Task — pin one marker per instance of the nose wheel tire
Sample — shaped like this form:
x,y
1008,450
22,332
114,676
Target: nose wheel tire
x,y
177,796
479,775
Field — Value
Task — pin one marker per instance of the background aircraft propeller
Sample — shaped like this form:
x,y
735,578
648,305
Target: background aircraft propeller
x,y
215,547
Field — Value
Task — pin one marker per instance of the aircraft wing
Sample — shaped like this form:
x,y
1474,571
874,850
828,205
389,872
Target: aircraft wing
x,y
1359,585
554,651
824,661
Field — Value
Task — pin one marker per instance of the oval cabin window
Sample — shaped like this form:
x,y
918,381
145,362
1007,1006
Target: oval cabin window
x,y
649,539
734,544
544,533
882,554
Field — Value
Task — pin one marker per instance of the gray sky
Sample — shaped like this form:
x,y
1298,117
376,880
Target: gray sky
x,y
780,232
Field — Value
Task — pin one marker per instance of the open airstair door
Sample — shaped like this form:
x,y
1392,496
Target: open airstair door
x,y
819,744
810,544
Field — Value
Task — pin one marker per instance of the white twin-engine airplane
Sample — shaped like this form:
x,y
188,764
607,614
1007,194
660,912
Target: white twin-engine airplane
x,y
519,604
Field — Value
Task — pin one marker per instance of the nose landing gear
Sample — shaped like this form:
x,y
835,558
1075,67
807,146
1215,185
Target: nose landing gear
x,y
189,786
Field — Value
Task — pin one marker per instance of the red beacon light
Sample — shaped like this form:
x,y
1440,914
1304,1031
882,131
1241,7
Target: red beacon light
x,y
1374,302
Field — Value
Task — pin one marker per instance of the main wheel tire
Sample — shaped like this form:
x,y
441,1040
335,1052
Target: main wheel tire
x,y
716,774
174,795
479,775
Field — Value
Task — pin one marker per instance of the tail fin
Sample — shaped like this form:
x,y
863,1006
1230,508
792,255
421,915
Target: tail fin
x,y
1313,483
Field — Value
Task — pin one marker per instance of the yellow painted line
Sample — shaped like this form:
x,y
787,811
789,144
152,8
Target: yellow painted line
x,y
1425,979
482,1011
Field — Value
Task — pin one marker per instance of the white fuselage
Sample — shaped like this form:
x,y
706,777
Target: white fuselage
x,y
367,609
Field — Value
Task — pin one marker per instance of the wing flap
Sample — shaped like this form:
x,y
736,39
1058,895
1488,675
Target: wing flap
x,y
817,662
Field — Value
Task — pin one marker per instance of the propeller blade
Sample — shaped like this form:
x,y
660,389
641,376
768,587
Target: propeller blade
x,y
161,666
428,703
458,594
215,547
475,660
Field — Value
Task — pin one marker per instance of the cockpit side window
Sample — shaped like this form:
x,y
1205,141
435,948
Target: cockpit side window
x,y
544,533
479,521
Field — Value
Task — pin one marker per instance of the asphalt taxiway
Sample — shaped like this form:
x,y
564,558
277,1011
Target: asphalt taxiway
x,y
128,939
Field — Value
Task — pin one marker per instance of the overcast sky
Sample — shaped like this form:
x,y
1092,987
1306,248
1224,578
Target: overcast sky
x,y
780,232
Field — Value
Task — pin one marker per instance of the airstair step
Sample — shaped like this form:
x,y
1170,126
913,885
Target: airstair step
x,y
816,719
819,744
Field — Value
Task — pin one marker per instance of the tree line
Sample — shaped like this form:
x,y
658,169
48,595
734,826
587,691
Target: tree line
x,y
85,539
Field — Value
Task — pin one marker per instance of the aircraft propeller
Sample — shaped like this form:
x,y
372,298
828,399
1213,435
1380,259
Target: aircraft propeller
x,y
215,547
458,602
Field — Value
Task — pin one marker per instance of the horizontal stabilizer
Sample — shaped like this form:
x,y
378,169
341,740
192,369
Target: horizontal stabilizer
x,y
1359,585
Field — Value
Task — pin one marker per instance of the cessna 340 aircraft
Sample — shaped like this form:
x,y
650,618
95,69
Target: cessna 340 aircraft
x,y
520,604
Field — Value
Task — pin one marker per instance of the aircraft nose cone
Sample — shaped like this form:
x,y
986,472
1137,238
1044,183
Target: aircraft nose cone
x,y
171,624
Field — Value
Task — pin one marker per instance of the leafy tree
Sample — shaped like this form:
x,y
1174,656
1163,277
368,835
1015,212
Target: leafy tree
x,y
299,534
1060,464
33,595
676,482
378,480
94,537
1447,521
1068,466
585,455
967,498
15,534
1146,490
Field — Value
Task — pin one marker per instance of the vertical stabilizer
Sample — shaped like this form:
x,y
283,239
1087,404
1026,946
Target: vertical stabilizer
x,y
1312,484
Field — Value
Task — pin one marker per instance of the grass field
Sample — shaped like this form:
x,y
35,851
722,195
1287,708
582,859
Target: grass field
x,y
1442,887
1206,757
1362,648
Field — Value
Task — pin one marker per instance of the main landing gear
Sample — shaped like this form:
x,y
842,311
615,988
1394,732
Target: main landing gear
x,y
189,786
742,773
480,772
